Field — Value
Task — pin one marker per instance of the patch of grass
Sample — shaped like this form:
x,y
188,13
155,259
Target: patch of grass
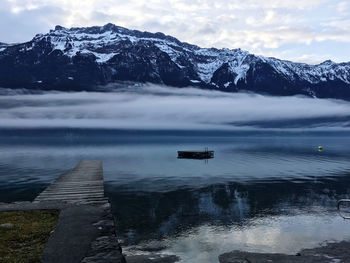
x,y
25,241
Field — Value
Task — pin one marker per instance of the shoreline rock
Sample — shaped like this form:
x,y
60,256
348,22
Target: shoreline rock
x,y
332,252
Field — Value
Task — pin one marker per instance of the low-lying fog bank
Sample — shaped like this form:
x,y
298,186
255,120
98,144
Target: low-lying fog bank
x,y
159,107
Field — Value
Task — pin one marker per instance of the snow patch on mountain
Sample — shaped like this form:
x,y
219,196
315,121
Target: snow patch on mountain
x,y
71,41
214,59
325,71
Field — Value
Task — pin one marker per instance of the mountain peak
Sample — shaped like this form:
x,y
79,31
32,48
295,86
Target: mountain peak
x,y
327,62
58,27
110,27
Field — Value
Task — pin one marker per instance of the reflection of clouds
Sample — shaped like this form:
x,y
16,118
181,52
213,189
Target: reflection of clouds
x,y
229,204
156,107
281,234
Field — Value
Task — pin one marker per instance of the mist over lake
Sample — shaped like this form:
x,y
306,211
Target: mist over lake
x,y
159,107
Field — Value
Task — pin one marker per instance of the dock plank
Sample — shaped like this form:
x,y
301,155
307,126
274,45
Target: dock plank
x,y
82,185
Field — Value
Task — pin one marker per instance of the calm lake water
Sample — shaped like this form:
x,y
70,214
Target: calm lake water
x,y
261,192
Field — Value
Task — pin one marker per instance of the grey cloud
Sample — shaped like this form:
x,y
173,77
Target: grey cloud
x,y
207,30
25,25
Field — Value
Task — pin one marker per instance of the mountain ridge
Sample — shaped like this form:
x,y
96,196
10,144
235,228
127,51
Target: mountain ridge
x,y
81,58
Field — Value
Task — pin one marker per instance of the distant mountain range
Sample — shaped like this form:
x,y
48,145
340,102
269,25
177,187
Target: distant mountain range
x,y
87,57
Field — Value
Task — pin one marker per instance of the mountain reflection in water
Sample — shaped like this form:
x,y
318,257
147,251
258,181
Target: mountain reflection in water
x,y
159,214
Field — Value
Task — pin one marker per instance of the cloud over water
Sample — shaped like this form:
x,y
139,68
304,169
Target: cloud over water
x,y
158,107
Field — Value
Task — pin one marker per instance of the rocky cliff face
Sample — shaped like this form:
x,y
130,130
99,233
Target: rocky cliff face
x,y
83,58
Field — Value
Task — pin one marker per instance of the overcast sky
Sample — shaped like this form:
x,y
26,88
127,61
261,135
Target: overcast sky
x,y
299,30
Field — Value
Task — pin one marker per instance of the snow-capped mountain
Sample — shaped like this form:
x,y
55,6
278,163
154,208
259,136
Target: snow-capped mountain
x,y
84,58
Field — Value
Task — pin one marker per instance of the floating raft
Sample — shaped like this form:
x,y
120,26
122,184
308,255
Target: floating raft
x,y
195,154
82,185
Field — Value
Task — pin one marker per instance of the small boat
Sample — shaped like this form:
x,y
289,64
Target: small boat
x,y
195,154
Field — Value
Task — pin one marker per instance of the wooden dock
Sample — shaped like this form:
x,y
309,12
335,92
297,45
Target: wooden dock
x,y
82,185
